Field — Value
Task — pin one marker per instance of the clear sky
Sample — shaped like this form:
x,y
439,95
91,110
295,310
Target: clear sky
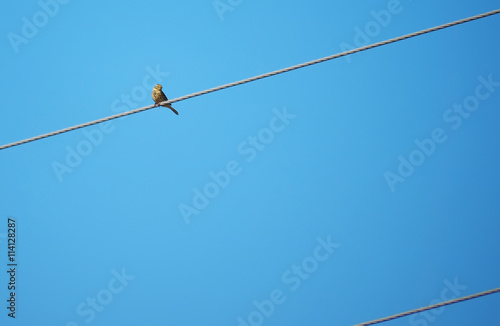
x,y
331,195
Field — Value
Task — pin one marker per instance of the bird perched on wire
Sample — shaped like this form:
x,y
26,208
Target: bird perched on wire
x,y
159,96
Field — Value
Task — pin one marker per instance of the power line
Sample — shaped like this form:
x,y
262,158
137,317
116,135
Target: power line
x,y
437,305
251,79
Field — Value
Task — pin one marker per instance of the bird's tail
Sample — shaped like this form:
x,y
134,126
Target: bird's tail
x,y
171,108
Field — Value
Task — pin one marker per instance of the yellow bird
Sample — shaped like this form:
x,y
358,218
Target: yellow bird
x,y
159,96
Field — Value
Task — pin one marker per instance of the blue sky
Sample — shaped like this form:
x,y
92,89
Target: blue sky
x,y
330,195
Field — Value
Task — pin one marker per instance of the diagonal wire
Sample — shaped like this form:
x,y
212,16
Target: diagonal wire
x,y
437,305
251,79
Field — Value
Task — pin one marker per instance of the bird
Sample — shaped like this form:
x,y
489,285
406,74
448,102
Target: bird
x,y
159,96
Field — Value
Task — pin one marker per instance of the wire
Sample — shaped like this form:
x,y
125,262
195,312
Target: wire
x,y
437,305
251,79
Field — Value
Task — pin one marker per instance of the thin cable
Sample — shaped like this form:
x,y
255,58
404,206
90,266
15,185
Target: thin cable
x,y
437,305
251,79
